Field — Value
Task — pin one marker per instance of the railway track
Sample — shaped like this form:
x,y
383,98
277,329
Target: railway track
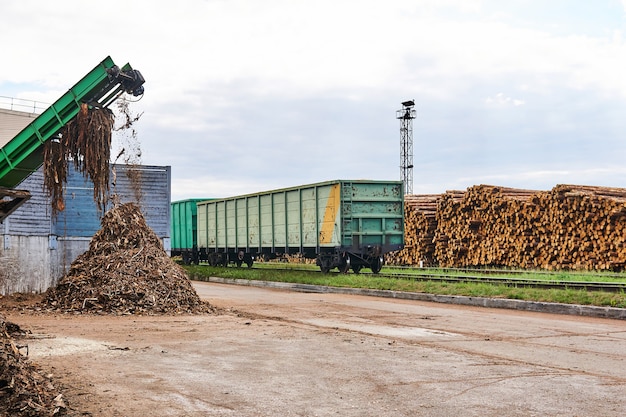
x,y
492,277
515,282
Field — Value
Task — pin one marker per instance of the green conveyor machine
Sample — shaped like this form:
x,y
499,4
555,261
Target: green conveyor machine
x,y
23,154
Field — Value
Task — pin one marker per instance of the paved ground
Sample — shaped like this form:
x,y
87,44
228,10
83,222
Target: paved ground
x,y
280,353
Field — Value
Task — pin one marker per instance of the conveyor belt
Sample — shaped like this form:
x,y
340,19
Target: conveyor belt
x,y
23,154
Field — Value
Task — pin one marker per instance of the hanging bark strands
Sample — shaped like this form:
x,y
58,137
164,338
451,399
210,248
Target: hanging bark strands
x,y
55,173
86,140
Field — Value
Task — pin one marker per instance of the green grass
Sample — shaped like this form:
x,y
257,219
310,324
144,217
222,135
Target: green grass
x,y
314,277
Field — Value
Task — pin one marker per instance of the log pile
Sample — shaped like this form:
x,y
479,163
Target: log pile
x,y
24,391
569,227
125,271
420,224
484,226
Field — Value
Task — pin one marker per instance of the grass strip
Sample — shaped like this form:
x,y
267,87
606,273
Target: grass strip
x,y
314,277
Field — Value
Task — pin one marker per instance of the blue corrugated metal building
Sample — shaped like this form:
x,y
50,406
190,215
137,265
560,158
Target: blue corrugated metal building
x,y
38,248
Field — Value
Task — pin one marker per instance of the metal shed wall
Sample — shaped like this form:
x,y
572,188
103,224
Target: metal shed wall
x,y
33,217
37,249
81,217
12,122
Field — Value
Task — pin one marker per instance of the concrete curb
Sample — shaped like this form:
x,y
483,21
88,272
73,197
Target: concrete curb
x,y
553,308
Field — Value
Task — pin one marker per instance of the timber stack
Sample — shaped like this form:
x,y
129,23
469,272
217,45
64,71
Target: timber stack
x,y
482,228
420,225
569,227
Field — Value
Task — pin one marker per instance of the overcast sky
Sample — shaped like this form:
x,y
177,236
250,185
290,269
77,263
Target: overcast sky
x,y
244,96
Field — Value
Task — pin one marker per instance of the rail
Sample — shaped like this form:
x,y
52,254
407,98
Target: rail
x,y
513,282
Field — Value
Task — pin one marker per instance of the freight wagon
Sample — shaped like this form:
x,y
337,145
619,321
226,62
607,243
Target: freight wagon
x,y
184,229
343,224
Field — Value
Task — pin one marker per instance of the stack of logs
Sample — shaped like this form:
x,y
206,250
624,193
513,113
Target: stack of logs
x,y
420,226
569,227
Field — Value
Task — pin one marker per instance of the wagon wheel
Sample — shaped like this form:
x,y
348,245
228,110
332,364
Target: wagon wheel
x,y
325,269
356,268
345,265
249,262
377,264
239,260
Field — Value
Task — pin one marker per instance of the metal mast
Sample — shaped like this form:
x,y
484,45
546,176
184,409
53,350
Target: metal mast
x,y
406,116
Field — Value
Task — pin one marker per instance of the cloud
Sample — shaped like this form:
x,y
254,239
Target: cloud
x,y
242,94
500,100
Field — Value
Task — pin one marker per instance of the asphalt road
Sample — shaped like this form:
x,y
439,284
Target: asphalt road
x,y
572,359
275,352
589,345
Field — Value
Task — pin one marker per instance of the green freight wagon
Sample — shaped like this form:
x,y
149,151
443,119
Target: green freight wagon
x,y
344,224
184,229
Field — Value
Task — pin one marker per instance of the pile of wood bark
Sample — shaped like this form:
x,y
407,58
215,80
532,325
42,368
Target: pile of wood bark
x,y
125,271
568,227
24,392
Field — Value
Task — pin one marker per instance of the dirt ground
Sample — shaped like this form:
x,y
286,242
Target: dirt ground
x,y
280,353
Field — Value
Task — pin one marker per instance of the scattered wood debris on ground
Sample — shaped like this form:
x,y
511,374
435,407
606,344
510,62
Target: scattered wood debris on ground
x,y
24,391
125,271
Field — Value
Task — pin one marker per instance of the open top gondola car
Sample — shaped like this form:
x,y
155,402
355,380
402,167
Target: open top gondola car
x,y
344,224
184,229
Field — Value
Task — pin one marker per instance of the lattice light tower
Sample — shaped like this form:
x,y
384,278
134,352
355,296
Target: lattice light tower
x,y
406,116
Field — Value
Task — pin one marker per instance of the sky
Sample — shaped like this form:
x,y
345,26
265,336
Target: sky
x,y
243,96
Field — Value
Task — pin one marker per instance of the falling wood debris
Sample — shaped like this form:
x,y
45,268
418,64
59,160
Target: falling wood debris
x,y
125,271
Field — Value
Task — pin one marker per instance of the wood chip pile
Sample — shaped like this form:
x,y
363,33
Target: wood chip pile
x,y
569,227
125,271
24,392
